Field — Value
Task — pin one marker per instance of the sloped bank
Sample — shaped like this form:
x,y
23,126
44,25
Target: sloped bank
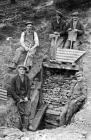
x,y
71,132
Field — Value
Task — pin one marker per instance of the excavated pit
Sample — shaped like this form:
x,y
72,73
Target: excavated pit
x,y
55,92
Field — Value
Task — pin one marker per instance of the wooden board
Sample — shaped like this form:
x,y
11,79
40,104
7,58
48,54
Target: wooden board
x,y
38,117
3,94
60,66
68,55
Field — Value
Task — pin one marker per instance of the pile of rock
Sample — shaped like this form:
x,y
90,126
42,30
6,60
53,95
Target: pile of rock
x,y
56,93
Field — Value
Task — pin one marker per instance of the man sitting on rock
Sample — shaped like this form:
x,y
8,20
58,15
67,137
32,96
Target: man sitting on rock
x,y
29,41
20,91
77,99
58,26
75,30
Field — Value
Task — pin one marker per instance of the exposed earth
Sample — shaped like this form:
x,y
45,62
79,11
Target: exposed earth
x,y
80,128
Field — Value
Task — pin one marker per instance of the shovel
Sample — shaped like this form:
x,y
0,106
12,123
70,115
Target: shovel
x,y
28,54
72,36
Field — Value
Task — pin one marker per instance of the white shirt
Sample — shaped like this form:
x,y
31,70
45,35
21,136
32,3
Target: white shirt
x,y
36,40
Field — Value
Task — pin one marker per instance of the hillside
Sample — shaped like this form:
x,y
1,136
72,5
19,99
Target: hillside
x,y
13,20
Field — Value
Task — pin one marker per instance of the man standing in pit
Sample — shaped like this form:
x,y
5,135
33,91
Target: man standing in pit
x,y
76,101
74,30
57,36
20,91
29,41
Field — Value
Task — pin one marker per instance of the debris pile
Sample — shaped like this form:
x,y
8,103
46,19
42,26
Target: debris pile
x,y
13,116
56,92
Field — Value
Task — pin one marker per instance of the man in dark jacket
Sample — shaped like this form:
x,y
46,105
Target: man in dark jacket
x,y
77,99
58,26
75,30
20,88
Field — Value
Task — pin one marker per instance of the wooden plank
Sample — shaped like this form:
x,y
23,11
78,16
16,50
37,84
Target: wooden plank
x,y
49,111
55,123
68,55
60,66
4,99
3,94
38,117
2,90
70,52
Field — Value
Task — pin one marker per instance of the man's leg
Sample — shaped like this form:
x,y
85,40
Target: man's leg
x,y
18,53
52,49
29,61
73,108
62,118
24,117
67,44
25,122
16,58
60,42
76,45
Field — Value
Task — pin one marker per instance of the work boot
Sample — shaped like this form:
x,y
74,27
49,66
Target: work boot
x,y
24,130
73,64
31,127
12,66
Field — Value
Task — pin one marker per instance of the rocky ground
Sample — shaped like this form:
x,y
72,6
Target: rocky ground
x,y
80,128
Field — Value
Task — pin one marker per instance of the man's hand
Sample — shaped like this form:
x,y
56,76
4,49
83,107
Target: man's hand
x,y
25,99
69,29
26,48
76,30
56,33
21,100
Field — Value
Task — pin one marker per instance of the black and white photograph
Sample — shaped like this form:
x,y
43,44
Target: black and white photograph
x,y
45,69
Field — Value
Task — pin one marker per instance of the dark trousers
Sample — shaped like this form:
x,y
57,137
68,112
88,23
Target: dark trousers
x,y
70,109
27,110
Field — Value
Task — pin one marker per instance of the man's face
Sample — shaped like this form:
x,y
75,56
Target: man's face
x,y
79,78
75,18
29,28
21,71
57,17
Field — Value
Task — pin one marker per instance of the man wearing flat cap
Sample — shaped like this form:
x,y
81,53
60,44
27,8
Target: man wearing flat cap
x,y
29,41
57,35
77,99
58,24
25,100
74,30
20,91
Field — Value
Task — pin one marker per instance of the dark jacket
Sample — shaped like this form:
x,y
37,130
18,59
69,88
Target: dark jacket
x,y
15,88
79,26
58,27
79,91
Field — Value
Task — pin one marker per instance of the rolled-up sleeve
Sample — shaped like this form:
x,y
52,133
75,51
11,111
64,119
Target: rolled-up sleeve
x,y
22,41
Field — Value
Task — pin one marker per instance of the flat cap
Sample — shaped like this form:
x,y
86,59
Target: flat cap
x,y
29,23
22,66
80,73
75,14
59,13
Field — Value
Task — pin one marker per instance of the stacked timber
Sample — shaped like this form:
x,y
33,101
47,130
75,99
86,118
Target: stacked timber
x,y
56,93
3,107
3,94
